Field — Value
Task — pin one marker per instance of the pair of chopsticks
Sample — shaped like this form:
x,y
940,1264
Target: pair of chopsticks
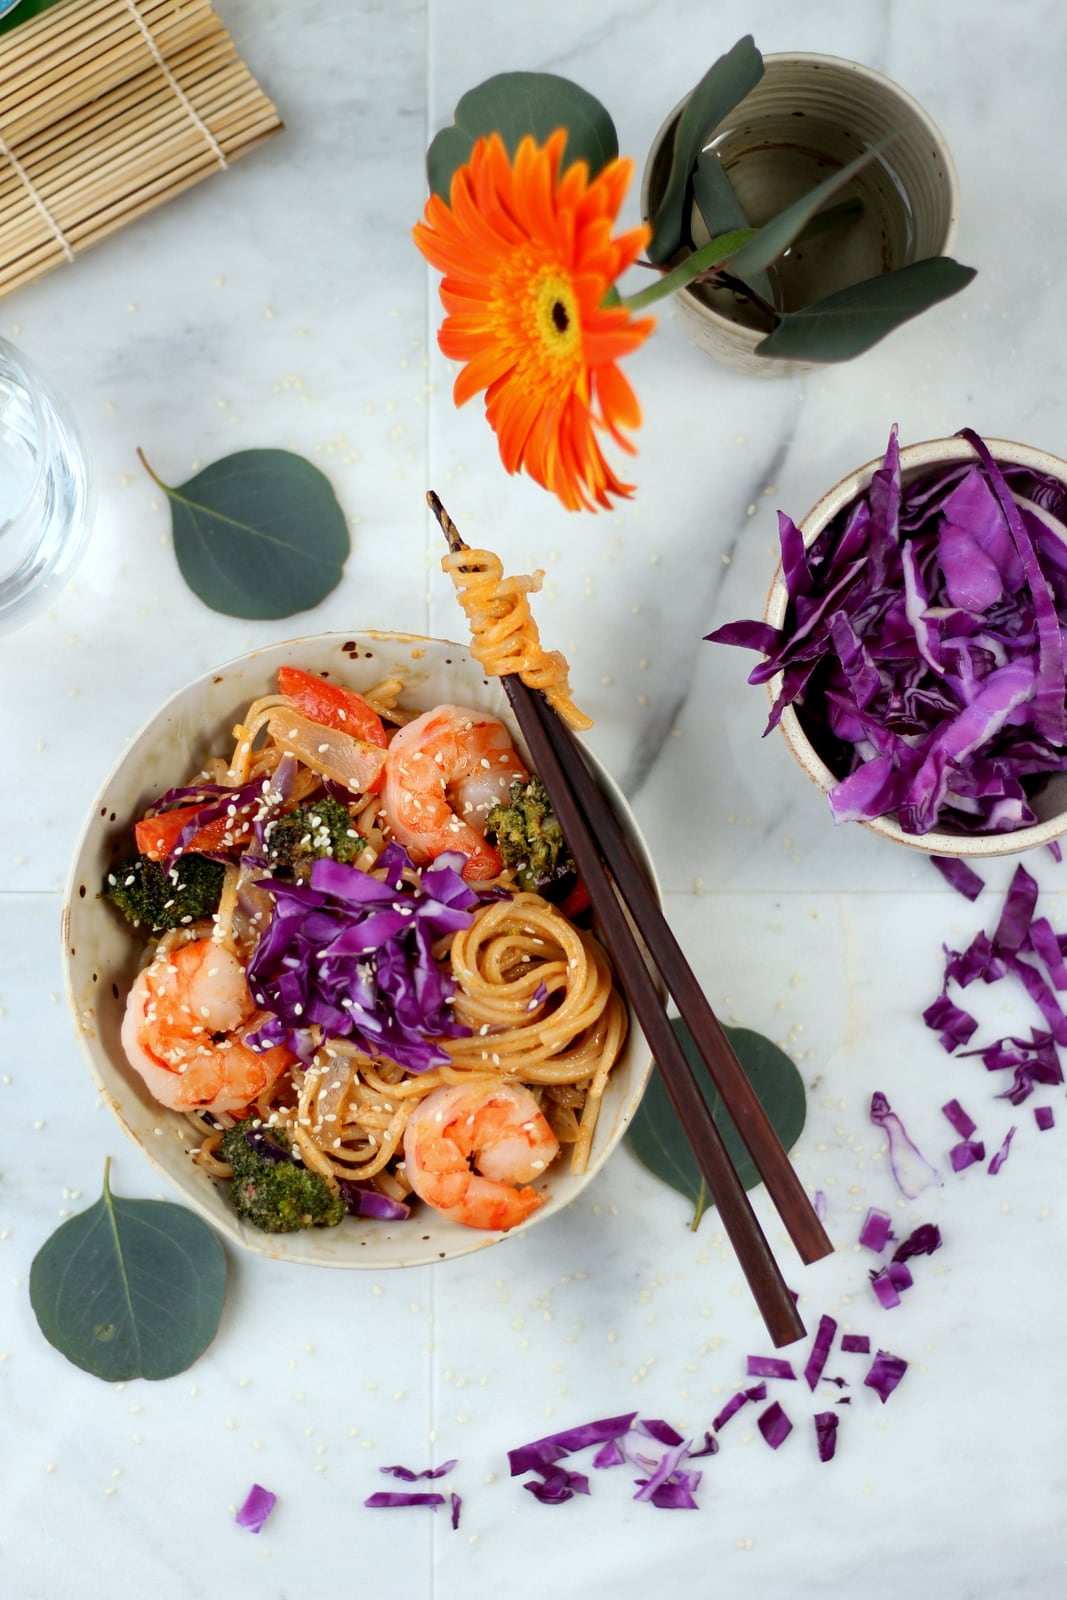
x,y
612,876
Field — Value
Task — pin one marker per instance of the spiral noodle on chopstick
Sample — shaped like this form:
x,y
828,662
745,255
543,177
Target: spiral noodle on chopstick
x,y
505,637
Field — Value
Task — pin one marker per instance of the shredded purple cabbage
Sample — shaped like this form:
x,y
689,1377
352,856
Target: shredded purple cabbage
x,y
877,1230
774,1425
886,1291
998,1160
885,1374
226,802
258,1505
363,1200
455,1505
354,954
656,1428
736,1401
393,1499
856,1344
821,1346
1044,1117
962,877
954,1026
650,1443
961,1122
966,1153
826,1433
912,1172
769,1367
556,1485
541,1453
922,645
408,1475
922,1241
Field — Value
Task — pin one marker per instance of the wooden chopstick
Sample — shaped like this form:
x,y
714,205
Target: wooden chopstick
x,y
556,761
729,1076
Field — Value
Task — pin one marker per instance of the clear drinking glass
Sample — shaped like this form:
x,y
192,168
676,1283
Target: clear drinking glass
x,y
45,490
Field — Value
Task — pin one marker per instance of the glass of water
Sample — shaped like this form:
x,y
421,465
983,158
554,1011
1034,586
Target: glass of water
x,y
45,490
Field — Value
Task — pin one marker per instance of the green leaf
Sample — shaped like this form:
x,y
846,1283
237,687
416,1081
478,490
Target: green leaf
x,y
514,104
130,1288
775,237
23,13
722,212
258,534
850,321
722,87
657,1137
703,260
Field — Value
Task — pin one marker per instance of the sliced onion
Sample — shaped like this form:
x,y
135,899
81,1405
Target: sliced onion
x,y
328,751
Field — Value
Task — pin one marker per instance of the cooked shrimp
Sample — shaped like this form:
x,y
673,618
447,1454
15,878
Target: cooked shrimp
x,y
443,774
187,1019
501,1131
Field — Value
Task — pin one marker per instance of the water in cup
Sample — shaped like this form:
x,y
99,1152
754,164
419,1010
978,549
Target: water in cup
x,y
45,490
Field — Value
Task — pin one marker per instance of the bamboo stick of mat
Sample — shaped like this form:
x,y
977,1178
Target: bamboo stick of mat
x,y
555,764
109,108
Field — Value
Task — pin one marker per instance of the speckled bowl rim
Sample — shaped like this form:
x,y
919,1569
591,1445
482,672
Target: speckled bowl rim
x,y
914,458
100,955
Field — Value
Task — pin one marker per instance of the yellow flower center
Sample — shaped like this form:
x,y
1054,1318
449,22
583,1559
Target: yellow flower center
x,y
556,315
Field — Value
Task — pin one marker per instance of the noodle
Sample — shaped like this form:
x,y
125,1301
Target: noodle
x,y
505,635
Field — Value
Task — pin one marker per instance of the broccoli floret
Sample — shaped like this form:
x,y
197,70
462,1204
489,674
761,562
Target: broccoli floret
x,y
309,833
156,899
531,840
269,1189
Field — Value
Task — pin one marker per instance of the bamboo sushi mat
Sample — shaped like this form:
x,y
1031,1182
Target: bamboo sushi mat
x,y
108,108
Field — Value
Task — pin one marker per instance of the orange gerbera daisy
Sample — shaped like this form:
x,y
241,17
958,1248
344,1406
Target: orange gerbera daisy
x,y
528,259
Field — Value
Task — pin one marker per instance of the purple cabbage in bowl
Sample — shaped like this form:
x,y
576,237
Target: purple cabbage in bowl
x,y
913,642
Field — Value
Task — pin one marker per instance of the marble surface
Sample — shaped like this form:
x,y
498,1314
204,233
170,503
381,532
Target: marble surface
x,y
282,303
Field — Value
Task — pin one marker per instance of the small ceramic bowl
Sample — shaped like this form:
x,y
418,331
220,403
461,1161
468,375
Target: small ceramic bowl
x,y
1050,801
101,955
808,116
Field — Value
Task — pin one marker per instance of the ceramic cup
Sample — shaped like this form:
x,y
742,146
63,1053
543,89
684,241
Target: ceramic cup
x,y
808,116
101,954
1050,801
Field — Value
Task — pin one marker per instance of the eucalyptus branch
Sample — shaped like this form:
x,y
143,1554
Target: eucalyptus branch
x,y
699,261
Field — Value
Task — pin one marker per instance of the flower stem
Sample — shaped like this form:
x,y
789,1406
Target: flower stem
x,y
702,260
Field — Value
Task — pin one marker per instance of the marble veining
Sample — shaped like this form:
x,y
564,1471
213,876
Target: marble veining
x,y
282,303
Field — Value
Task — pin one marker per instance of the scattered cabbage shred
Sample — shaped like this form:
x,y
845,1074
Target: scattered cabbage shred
x,y
923,646
258,1505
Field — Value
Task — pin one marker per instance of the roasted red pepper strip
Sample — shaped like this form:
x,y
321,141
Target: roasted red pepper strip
x,y
332,705
156,836
577,901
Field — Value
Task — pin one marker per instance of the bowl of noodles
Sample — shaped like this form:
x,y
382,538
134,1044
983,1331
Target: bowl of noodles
x,y
393,994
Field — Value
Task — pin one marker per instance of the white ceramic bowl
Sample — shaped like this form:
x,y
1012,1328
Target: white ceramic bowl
x,y
1050,801
101,954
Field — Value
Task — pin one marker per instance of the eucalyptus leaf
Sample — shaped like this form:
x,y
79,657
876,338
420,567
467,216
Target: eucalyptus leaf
x,y
850,321
258,534
130,1288
775,237
658,1140
722,212
514,104
722,87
